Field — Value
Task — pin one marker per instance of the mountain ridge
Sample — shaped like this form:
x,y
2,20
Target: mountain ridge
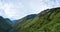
x,y
45,21
5,26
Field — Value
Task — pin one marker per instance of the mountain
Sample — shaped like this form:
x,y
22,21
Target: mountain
x,y
9,21
46,21
5,25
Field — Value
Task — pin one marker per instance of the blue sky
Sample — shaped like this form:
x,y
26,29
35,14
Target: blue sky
x,y
16,9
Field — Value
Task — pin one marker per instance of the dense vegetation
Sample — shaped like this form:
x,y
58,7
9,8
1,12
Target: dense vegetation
x,y
5,25
46,21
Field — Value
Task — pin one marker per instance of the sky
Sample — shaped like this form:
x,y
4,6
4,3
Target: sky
x,y
17,9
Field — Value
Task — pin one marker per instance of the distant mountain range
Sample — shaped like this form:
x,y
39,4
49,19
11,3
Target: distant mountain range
x,y
45,21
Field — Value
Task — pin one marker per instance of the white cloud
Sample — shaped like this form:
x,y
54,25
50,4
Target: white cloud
x,y
19,8
11,10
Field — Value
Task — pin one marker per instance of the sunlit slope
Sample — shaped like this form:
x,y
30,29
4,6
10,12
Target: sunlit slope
x,y
46,21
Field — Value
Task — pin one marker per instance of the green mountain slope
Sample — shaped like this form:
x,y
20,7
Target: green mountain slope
x,y
5,26
46,21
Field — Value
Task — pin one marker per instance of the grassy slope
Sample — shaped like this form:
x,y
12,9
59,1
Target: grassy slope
x,y
43,22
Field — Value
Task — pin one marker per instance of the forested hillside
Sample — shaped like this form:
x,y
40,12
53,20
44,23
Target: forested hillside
x,y
5,25
46,21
